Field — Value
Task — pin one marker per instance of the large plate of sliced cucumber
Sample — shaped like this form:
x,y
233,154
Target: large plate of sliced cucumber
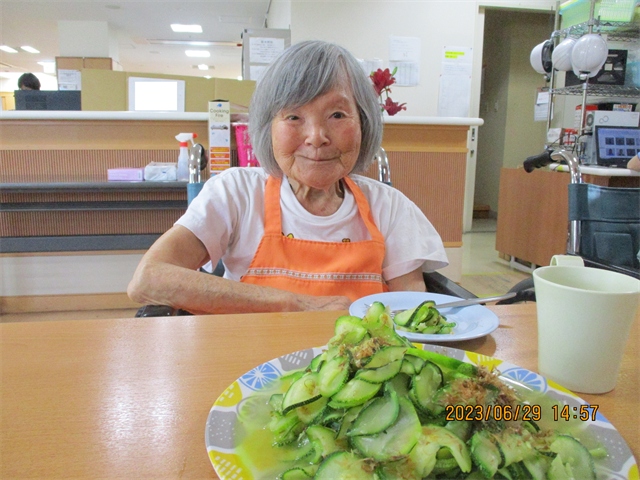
x,y
417,317
372,406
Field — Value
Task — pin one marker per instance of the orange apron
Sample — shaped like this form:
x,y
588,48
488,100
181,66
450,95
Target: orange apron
x,y
350,269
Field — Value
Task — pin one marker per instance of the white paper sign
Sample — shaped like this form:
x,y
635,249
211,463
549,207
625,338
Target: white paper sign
x,y
370,66
404,49
454,96
455,81
264,49
69,80
408,73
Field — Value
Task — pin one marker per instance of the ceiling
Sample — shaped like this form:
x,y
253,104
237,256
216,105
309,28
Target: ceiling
x,y
134,26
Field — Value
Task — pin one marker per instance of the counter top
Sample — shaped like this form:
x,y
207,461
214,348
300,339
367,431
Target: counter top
x,y
200,116
17,187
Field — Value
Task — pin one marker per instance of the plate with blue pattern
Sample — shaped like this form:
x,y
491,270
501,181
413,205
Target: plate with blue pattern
x,y
232,453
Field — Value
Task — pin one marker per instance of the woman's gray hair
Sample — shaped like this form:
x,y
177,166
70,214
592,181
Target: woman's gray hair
x,y
300,74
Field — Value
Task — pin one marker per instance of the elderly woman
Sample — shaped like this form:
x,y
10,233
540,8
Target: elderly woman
x,y
302,232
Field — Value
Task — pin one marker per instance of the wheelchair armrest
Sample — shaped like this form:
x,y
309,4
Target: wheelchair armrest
x,y
438,283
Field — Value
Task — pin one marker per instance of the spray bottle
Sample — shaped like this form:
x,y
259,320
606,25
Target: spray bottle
x,y
183,158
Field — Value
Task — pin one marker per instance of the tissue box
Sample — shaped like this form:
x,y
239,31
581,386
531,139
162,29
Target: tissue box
x,y
125,174
160,172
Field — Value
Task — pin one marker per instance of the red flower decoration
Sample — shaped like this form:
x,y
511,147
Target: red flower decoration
x,y
393,107
382,80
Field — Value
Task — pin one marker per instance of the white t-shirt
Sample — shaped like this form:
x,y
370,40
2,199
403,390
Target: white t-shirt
x,y
228,218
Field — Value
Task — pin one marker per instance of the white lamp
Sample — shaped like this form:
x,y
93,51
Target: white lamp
x,y
589,54
561,56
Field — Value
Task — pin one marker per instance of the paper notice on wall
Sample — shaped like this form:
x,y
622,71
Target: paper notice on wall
x,y
455,81
541,108
265,49
454,96
370,66
407,73
404,54
69,79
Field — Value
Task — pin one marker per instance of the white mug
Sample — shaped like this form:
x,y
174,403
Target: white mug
x,y
584,318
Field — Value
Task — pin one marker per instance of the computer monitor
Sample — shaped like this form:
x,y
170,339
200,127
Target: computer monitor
x,y
48,100
156,95
615,146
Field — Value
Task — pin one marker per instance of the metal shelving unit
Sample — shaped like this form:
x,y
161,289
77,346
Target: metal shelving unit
x,y
615,31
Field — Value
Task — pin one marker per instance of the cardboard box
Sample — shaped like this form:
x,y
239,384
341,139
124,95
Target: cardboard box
x,y
219,136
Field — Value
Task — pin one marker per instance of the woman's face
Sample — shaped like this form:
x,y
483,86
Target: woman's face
x,y
318,143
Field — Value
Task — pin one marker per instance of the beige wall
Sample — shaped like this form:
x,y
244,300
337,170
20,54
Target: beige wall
x,y
107,90
509,134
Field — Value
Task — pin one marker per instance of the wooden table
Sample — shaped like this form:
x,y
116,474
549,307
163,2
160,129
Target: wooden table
x,y
129,398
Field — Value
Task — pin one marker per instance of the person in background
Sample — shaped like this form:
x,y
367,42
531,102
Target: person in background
x,y
28,81
303,231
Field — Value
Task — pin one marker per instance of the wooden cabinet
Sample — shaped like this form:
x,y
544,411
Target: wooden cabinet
x,y
533,212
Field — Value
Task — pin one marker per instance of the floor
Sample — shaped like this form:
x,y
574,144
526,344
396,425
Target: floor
x,y
483,273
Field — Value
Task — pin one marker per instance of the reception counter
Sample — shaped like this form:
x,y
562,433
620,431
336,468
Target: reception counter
x,y
55,196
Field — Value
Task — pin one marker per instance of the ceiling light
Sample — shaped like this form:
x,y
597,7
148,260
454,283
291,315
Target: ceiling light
x,y
8,49
48,67
29,49
197,53
202,66
194,43
176,27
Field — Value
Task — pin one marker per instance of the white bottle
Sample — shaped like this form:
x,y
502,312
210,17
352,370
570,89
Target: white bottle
x,y
183,158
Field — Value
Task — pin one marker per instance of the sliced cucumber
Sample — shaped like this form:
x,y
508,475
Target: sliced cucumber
x,y
355,392
285,428
576,455
377,416
317,362
513,447
323,439
302,391
349,330
424,386
485,453
402,318
333,375
408,368
275,402
403,469
300,473
380,374
398,439
312,412
448,440
344,466
385,356
417,362
536,466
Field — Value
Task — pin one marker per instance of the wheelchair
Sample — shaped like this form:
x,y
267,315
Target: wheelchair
x,y
604,223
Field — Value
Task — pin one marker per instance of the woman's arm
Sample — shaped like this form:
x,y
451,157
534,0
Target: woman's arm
x,y
409,282
167,276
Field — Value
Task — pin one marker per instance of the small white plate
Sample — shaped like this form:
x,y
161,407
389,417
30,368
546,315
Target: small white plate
x,y
471,322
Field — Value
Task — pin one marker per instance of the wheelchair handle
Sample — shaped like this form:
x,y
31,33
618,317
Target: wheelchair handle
x,y
536,161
